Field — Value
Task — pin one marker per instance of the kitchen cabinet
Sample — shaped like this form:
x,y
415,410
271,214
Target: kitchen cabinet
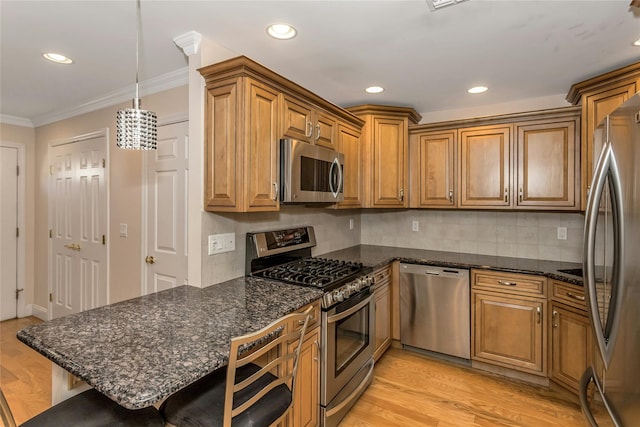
x,y
527,161
382,298
249,108
599,96
570,346
385,145
304,122
349,145
508,327
433,169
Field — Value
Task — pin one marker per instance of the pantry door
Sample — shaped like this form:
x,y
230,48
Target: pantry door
x,y
9,233
166,204
78,215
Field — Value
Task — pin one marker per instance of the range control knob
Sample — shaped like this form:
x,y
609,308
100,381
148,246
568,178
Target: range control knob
x,y
338,296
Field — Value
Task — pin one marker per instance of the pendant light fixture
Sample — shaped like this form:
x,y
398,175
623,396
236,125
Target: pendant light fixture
x,y
136,129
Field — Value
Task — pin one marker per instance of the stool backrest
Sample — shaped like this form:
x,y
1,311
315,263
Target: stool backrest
x,y
283,340
5,412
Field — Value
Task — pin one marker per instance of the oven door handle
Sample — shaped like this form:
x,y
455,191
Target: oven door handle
x,y
349,399
337,317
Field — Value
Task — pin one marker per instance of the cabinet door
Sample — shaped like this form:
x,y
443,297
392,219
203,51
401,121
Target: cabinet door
x,y
432,169
223,147
390,175
261,155
547,162
485,167
509,331
570,345
596,105
382,298
297,119
349,145
324,130
306,406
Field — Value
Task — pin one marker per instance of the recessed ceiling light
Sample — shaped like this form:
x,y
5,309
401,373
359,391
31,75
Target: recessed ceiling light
x,y
56,57
636,43
478,89
281,31
374,89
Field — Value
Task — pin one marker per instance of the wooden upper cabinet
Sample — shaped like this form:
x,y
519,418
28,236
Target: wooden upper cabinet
x,y
432,164
304,122
249,108
385,144
599,96
349,145
485,167
548,164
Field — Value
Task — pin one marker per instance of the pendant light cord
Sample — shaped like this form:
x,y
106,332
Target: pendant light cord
x,y
137,45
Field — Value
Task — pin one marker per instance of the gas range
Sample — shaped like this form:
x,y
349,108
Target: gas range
x,y
285,255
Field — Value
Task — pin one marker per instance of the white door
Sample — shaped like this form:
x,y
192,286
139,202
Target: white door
x,y
8,232
166,219
78,225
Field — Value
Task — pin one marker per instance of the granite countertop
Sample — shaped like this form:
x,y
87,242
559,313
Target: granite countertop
x,y
379,256
139,351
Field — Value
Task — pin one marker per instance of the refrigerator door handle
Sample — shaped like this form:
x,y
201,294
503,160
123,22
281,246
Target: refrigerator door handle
x,y
605,332
586,378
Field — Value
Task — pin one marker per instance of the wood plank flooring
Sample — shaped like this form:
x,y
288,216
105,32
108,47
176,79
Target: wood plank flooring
x,y
409,389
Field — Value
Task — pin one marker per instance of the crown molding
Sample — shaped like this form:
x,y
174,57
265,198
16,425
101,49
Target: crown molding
x,y
15,120
161,83
189,42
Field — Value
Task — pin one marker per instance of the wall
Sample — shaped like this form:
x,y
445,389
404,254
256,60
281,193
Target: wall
x,y
26,137
125,181
509,234
331,228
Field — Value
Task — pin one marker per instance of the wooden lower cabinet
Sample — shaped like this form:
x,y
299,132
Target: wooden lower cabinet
x,y
306,406
509,331
570,345
382,298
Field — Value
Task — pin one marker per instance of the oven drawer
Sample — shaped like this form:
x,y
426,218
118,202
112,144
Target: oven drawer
x,y
315,314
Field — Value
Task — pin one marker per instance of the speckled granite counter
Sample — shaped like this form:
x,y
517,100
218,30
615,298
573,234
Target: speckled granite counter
x,y
141,350
378,256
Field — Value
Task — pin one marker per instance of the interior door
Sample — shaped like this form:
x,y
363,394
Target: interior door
x,y
8,232
167,195
78,209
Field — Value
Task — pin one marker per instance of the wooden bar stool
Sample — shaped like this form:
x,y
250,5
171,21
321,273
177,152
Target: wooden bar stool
x,y
87,409
244,393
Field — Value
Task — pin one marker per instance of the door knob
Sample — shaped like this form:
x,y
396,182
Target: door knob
x,y
149,260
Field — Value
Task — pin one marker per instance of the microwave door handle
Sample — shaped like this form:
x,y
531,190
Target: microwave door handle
x,y
335,191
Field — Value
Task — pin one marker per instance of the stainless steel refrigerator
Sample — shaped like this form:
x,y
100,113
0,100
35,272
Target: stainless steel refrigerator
x,y
610,387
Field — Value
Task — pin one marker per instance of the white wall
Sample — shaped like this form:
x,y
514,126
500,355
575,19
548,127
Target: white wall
x,y
508,234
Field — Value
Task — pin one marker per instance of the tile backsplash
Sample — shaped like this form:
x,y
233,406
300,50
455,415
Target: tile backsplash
x,y
509,234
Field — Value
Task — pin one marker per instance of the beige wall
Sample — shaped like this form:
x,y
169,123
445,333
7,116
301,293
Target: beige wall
x,y
26,137
125,181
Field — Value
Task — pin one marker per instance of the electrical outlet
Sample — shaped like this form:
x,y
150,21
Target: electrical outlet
x,y
219,243
562,233
415,226
350,223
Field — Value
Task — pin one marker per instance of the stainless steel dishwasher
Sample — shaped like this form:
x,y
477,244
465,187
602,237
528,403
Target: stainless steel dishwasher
x,y
434,309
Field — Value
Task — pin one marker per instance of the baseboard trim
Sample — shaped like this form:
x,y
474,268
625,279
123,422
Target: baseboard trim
x,y
38,311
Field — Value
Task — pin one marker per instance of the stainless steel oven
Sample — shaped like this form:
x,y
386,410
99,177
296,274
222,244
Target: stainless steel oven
x,y
309,173
347,354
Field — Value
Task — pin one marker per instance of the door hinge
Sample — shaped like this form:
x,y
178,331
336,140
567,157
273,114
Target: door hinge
x,y
50,169
18,170
104,239
104,163
50,233
50,297
17,231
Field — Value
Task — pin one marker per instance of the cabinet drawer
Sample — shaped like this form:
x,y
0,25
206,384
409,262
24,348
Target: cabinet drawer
x,y
382,276
510,283
315,314
569,294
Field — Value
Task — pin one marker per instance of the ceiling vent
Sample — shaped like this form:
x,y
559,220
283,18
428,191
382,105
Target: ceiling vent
x,y
438,4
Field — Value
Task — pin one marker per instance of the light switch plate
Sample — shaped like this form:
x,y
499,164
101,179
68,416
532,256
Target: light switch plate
x,y
124,230
220,243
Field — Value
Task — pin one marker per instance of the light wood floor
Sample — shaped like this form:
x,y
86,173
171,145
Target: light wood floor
x,y
408,390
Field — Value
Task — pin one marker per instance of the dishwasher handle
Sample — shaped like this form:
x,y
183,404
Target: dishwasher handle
x,y
431,270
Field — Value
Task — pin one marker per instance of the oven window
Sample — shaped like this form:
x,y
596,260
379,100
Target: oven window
x,y
352,337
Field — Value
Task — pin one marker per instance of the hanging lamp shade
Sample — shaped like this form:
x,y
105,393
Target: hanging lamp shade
x,y
136,129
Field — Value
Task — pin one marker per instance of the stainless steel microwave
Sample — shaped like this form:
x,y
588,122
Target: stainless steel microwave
x,y
309,173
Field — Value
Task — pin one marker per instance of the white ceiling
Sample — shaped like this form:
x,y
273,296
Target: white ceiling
x,y
424,59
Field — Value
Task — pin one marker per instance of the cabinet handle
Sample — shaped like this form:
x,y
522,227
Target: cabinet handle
x,y
555,319
317,350
539,313
402,194
309,130
451,196
506,283
318,131
506,195
578,297
520,195
275,191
